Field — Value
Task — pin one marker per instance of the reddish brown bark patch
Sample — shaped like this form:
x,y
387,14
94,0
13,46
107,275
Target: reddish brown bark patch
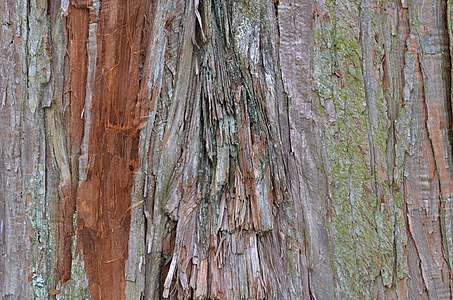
x,y
104,198
77,24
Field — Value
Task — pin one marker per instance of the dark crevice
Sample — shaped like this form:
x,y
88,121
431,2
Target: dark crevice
x,y
448,78
449,114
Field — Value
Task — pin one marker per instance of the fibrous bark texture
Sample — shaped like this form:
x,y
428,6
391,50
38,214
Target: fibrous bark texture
x,y
216,149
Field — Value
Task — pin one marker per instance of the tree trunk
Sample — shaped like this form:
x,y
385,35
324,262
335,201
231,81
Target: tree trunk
x,y
292,149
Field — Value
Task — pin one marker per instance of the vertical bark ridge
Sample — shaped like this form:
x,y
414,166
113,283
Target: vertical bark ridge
x,y
428,174
14,230
72,104
308,184
40,177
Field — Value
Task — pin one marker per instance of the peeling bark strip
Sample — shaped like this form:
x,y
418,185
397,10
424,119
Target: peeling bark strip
x,y
75,89
217,149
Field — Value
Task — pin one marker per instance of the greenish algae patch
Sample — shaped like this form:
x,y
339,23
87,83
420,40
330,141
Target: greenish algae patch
x,y
362,231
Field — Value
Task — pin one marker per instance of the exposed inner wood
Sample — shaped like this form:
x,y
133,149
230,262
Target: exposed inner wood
x,y
216,149
104,198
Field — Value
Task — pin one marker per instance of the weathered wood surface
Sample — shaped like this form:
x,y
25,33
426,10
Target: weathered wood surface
x,y
219,149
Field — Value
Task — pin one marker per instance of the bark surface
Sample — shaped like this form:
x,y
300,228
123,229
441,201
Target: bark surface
x,y
214,149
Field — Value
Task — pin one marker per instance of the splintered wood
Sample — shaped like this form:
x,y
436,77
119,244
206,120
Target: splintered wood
x,y
176,149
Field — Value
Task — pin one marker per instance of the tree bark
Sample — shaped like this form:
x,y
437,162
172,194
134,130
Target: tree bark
x,y
171,149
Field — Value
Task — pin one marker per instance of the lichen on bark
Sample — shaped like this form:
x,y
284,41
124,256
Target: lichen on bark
x,y
215,149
